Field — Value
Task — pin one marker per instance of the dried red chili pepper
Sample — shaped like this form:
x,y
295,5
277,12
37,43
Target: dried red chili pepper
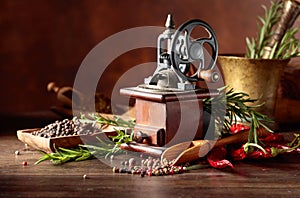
x,y
237,153
293,147
216,158
271,149
257,154
235,128
240,154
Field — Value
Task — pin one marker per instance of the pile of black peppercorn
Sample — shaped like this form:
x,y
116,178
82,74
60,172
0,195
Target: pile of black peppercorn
x,y
66,127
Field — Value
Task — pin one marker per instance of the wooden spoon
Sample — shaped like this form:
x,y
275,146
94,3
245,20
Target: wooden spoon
x,y
190,151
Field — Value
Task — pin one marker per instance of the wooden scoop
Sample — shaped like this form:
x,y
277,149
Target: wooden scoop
x,y
190,151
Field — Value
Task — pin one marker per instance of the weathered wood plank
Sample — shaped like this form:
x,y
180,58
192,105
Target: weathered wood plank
x,y
277,177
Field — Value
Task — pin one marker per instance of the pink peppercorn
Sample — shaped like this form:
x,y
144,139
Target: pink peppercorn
x,y
24,163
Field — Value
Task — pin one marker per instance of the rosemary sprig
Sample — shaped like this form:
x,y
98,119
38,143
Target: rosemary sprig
x,y
289,45
255,46
63,155
235,106
100,119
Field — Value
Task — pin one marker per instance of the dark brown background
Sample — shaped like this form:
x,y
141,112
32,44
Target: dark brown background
x,y
46,40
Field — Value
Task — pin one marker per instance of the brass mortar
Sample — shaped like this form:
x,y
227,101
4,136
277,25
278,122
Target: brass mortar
x,y
257,77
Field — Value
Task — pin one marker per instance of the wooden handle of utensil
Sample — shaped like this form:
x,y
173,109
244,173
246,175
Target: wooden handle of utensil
x,y
51,87
240,137
66,95
142,148
209,75
63,94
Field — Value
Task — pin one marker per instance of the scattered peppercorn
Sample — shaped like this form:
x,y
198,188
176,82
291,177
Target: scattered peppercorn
x,y
25,163
131,162
150,167
115,169
143,173
112,157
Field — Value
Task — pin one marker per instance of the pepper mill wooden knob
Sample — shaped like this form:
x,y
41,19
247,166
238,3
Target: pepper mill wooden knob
x,y
209,75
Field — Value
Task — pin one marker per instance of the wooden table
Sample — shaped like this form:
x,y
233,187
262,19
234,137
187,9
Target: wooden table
x,y
277,177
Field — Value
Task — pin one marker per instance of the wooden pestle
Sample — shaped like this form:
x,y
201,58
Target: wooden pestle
x,y
290,12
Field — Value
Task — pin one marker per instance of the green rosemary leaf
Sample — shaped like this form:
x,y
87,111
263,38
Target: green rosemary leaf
x,y
93,147
262,20
255,137
266,127
116,121
250,48
84,156
56,162
273,51
57,153
71,151
43,158
261,37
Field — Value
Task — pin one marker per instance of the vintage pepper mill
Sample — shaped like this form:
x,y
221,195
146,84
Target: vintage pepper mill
x,y
169,105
